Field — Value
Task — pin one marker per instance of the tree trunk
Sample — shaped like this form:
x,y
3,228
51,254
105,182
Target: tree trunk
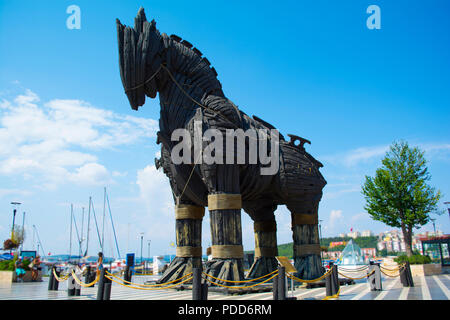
x,y
407,237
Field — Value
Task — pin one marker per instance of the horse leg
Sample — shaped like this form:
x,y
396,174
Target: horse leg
x,y
188,229
307,259
224,205
266,249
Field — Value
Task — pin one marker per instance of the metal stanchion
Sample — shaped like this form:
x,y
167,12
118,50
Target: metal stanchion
x,y
275,288
101,284
204,290
197,284
71,286
405,275
281,283
51,280
375,277
107,289
332,281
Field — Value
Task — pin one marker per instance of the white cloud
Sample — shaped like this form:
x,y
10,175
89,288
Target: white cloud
x,y
56,141
335,216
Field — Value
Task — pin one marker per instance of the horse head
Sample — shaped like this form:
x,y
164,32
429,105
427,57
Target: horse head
x,y
139,58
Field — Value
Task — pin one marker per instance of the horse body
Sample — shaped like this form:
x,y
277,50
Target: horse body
x,y
189,91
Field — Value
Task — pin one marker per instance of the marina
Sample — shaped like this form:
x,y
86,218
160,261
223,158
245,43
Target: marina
x,y
435,287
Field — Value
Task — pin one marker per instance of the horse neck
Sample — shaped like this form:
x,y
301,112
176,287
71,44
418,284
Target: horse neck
x,y
190,80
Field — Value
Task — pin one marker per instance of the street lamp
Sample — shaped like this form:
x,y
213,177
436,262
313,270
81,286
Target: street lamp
x,y
142,239
434,225
320,237
448,207
14,215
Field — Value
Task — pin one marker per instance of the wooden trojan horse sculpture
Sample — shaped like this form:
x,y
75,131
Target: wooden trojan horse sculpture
x,y
190,94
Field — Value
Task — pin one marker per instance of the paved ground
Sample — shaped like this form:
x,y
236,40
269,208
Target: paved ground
x,y
426,288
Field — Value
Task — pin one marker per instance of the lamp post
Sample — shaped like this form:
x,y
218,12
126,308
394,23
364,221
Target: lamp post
x,y
320,237
142,239
434,225
448,207
148,243
14,215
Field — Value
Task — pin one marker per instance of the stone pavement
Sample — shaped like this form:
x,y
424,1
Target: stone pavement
x,y
426,288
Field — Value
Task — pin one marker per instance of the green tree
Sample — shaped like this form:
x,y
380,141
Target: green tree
x,y
399,195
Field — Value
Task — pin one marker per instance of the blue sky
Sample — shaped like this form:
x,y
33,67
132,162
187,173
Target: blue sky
x,y
310,68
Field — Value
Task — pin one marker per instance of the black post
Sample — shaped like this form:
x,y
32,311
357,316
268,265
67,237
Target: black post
x,y
101,285
409,274
328,285
281,283
205,291
51,280
71,286
56,282
197,284
275,288
107,289
336,280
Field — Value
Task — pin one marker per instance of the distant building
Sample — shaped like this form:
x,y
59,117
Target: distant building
x,y
337,243
366,233
353,234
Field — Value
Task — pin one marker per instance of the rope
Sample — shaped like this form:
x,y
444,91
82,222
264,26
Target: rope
x,y
391,276
243,287
309,281
97,278
239,281
60,279
148,285
144,83
140,288
366,276
354,270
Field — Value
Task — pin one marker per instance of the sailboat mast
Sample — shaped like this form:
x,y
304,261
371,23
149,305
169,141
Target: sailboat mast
x,y
71,220
103,227
88,226
82,227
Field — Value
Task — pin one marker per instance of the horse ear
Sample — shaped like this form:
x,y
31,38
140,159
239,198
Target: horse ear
x,y
139,20
153,25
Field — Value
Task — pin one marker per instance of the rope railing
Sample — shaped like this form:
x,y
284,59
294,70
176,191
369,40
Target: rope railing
x,y
148,285
243,287
238,281
354,270
142,288
309,281
335,296
359,278
61,279
83,284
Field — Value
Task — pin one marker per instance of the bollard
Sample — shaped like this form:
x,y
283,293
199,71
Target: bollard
x,y
107,289
275,288
205,291
332,281
375,278
197,284
71,286
405,275
101,284
336,279
56,282
127,274
281,283
51,280
88,277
